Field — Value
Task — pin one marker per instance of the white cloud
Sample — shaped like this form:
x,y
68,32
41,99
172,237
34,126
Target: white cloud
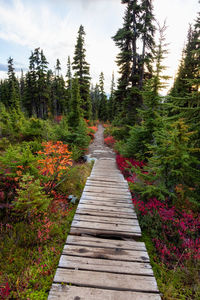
x,y
53,25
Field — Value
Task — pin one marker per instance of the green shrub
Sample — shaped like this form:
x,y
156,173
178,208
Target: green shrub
x,y
75,180
18,156
135,145
33,128
31,197
4,143
11,123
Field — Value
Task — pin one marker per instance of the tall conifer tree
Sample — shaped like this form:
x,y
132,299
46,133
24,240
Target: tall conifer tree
x,y
81,68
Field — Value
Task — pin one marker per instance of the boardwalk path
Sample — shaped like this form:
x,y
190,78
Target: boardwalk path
x,y
102,259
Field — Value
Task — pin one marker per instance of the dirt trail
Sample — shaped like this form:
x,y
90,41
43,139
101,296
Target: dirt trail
x,y
98,149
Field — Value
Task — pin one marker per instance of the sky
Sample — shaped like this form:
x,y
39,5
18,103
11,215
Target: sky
x,y
52,25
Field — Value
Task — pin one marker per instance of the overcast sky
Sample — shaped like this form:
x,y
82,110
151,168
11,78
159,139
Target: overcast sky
x,y
53,25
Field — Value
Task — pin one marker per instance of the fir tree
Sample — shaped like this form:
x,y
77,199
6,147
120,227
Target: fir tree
x,y
58,92
95,98
13,86
134,66
75,111
103,109
81,68
111,103
37,98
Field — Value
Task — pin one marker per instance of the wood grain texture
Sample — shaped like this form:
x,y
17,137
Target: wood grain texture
x,y
99,242
104,226
106,253
103,219
105,203
66,292
106,213
105,265
106,280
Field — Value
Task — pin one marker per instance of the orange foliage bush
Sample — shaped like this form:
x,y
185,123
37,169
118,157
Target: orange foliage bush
x,y
56,160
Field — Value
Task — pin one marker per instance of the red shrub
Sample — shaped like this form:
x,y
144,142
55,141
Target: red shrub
x,y
109,141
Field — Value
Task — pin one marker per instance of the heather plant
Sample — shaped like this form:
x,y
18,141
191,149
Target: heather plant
x,y
110,141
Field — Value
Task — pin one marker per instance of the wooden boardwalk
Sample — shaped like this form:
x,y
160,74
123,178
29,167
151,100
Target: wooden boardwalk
x,y
102,259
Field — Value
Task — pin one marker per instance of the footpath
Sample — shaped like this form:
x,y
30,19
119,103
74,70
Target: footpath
x,y
102,258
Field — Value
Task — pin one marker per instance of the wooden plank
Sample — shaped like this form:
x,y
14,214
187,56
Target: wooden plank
x,y
106,213
97,242
106,220
66,292
105,203
104,226
104,233
105,265
103,208
107,200
107,184
108,190
99,178
107,195
107,175
106,253
106,280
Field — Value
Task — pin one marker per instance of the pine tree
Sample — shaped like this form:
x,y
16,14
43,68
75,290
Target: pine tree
x,y
134,66
37,98
103,109
81,68
111,103
75,111
13,86
142,135
95,98
58,92
185,94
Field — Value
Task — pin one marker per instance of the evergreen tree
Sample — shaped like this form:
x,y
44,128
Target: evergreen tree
x,y
13,86
81,68
58,92
95,98
37,98
111,103
134,66
185,94
75,111
142,135
103,109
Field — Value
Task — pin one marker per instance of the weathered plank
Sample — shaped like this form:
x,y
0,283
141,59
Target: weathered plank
x,y
102,178
106,195
106,213
94,196
107,190
104,233
106,220
107,184
106,253
97,242
106,280
105,265
66,292
105,203
108,199
103,208
104,226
